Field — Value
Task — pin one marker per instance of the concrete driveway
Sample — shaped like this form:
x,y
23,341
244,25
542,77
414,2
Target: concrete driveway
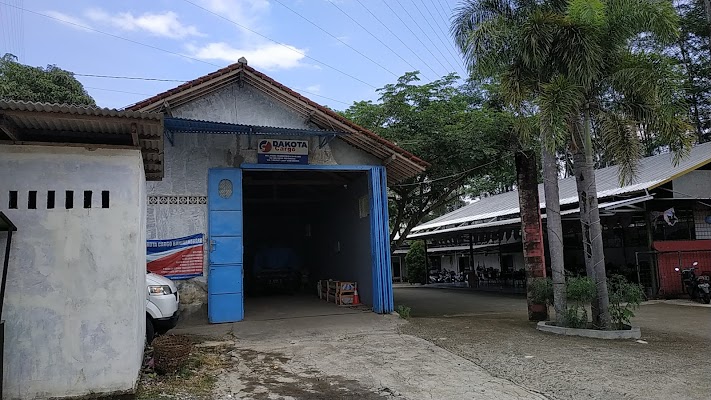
x,y
491,330
321,351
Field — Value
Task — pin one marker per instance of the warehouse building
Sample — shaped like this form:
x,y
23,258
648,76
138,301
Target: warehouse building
x,y
284,192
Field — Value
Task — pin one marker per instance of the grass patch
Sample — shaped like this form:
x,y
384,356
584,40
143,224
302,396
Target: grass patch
x,y
403,311
196,380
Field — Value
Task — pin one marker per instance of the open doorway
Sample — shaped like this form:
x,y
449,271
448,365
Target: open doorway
x,y
302,226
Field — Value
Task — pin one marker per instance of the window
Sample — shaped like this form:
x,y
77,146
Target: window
x,y
32,200
105,199
87,199
69,199
13,199
50,199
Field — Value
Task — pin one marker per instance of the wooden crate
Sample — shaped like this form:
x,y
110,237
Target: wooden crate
x,y
341,292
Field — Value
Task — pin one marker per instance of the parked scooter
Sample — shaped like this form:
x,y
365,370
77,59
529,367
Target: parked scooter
x,y
696,286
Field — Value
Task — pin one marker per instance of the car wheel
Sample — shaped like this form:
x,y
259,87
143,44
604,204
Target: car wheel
x,y
150,330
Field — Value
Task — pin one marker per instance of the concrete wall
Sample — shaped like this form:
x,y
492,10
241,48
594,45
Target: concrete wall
x,y
344,251
694,184
75,300
187,163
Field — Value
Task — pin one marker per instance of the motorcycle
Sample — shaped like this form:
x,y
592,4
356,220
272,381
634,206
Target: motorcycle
x,y
696,286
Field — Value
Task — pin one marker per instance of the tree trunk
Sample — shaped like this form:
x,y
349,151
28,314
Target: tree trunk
x,y
554,227
707,7
532,237
590,219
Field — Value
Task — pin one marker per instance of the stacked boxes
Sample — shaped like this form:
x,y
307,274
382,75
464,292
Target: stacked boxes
x,y
339,292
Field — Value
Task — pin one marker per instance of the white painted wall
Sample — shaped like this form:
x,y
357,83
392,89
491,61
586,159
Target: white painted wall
x,y
694,184
75,300
186,163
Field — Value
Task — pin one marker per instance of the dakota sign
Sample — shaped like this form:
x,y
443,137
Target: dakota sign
x,y
179,258
277,151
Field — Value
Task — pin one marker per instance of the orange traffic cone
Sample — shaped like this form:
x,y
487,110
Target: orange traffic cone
x,y
356,298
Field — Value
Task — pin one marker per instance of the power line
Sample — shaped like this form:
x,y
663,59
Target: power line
x,y
397,37
441,15
111,35
376,38
179,81
337,38
117,91
443,38
130,78
458,174
179,54
414,35
453,68
282,44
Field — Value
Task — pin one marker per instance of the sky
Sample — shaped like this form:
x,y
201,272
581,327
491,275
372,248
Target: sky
x,y
347,50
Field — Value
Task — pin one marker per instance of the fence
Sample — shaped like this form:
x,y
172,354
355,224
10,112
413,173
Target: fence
x,y
657,270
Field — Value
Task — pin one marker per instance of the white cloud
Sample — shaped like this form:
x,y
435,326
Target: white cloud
x,y
244,12
269,56
314,88
166,24
68,20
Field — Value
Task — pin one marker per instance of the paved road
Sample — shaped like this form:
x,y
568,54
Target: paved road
x,y
492,331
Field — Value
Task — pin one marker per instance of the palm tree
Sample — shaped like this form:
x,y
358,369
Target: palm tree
x,y
576,61
509,41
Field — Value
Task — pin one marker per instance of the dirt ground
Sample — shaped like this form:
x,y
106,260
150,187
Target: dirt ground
x,y
491,330
313,350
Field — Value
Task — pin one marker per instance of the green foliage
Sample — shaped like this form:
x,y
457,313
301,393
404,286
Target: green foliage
x,y
452,127
625,297
580,292
403,311
50,85
541,290
416,263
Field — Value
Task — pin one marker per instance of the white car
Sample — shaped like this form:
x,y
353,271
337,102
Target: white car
x,y
162,300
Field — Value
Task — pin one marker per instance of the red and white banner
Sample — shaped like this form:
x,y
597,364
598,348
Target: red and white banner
x,y
179,258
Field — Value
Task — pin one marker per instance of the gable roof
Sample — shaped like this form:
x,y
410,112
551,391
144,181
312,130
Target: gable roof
x,y
652,172
400,163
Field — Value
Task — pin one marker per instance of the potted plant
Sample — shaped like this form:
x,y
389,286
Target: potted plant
x,y
540,294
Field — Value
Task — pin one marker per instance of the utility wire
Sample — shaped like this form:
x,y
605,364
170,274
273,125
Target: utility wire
x,y
130,78
453,68
414,35
282,44
117,91
110,34
375,37
337,38
179,81
441,13
458,174
398,38
443,37
179,54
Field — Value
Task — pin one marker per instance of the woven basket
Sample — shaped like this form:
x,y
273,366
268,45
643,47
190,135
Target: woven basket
x,y
171,352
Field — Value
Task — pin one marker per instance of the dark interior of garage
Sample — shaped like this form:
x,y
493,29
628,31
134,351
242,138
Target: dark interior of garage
x,y
304,226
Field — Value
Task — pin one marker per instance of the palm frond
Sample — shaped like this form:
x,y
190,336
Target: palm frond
x,y
559,101
622,145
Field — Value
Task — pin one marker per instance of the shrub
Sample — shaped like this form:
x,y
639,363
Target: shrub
x,y
624,298
415,260
404,311
541,290
580,292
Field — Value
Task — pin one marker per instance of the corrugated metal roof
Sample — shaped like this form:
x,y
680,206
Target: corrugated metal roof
x,y
400,163
652,172
36,123
76,110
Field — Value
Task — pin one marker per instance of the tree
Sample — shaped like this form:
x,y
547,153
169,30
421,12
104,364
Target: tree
x,y
49,85
448,125
507,41
416,263
575,61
